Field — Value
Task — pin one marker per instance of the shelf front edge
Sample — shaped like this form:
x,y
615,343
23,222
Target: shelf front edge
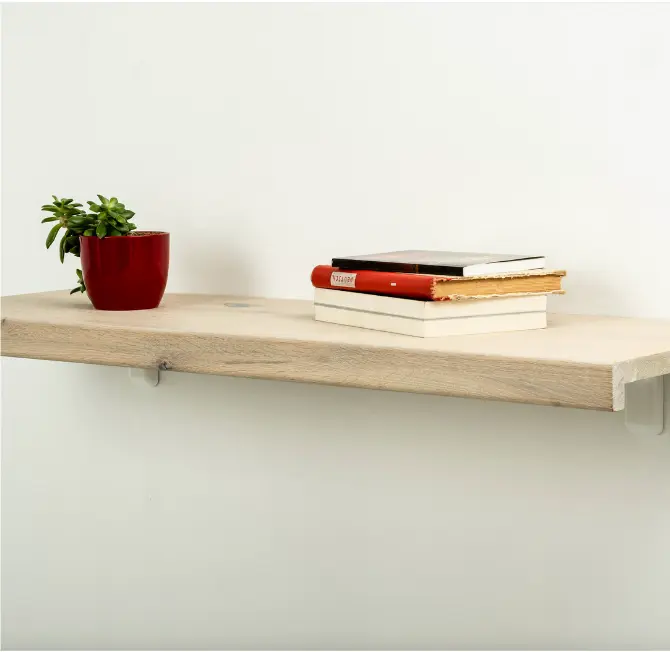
x,y
541,382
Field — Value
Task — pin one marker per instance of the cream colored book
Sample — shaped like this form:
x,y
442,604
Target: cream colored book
x,y
430,318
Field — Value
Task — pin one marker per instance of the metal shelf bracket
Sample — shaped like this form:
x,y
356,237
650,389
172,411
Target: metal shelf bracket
x,y
644,411
151,377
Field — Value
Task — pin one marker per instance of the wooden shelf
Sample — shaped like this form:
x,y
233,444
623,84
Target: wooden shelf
x,y
579,361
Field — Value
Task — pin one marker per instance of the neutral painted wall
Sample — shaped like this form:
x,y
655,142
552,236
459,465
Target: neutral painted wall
x,y
216,512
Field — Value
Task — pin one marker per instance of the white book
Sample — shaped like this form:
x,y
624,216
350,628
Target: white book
x,y
430,318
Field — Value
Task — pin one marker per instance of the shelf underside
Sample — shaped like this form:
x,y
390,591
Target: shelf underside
x,y
578,361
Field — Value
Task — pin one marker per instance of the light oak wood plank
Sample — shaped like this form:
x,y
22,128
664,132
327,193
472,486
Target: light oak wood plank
x,y
578,361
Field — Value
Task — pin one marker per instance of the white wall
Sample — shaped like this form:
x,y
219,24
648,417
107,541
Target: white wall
x,y
217,512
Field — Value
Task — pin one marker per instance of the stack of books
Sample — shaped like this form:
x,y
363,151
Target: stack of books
x,y
435,293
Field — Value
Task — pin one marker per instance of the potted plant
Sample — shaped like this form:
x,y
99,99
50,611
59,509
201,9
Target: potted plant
x,y
122,268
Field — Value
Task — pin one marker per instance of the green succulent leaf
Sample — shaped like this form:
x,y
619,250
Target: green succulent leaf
x,y
114,232
89,232
53,218
61,247
80,280
101,230
50,208
52,235
103,200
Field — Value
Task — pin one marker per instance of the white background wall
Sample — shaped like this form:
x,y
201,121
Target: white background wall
x,y
216,512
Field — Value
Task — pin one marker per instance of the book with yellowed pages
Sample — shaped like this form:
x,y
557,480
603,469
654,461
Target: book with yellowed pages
x,y
430,318
429,287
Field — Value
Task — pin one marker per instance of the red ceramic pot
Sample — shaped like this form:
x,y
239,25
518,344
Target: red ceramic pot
x,y
126,272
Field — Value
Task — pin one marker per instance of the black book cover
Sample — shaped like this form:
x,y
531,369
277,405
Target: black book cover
x,y
447,263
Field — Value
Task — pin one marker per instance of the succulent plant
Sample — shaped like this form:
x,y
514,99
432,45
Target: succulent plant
x,y
109,217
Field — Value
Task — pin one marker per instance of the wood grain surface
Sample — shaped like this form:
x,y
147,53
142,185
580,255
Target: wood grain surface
x,y
578,361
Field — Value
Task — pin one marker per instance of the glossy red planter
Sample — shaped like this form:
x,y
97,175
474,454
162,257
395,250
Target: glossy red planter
x,y
126,272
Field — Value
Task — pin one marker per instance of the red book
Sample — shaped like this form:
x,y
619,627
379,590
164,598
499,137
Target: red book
x,y
436,288
411,286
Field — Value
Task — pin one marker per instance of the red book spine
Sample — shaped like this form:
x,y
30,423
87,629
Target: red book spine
x,y
409,286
